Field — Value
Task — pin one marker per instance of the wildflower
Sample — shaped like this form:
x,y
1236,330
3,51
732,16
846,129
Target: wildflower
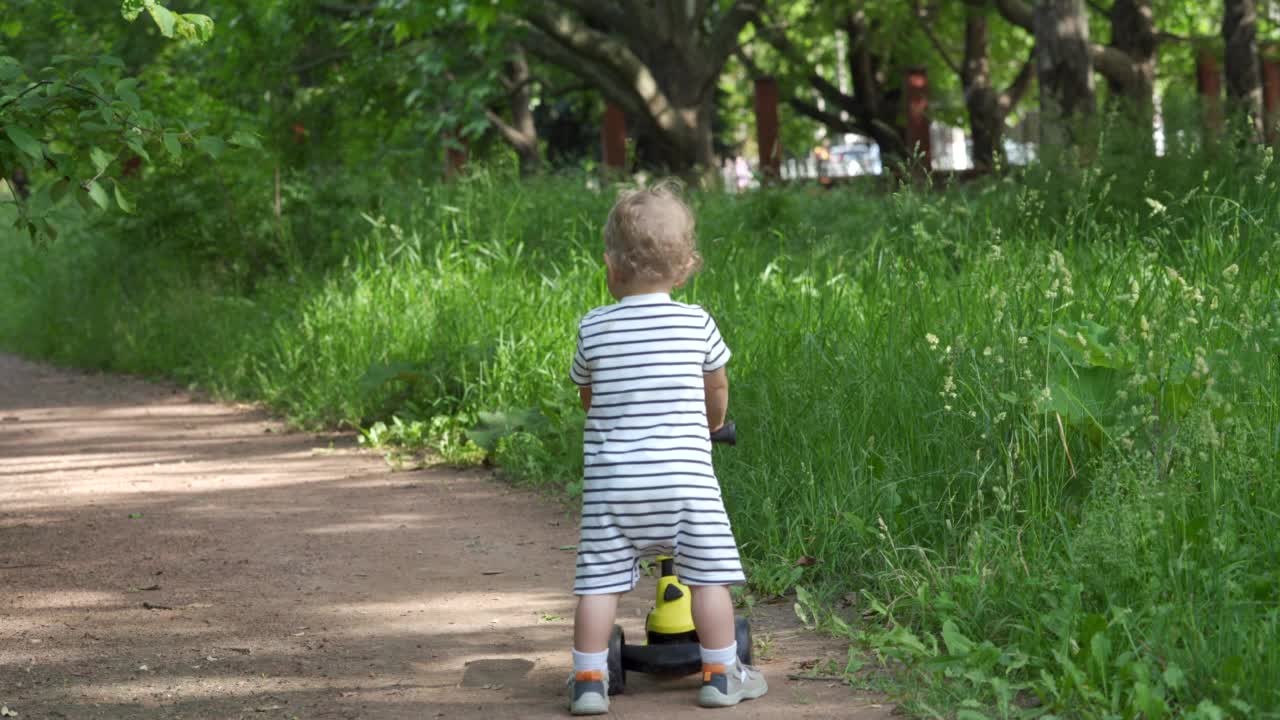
x,y
1022,340
933,340
1231,271
1201,367
987,351
1157,207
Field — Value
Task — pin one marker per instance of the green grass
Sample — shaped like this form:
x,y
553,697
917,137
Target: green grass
x,y
1032,425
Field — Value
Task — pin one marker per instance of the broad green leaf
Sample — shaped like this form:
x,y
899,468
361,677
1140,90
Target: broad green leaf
x,y
173,143
135,144
193,26
98,194
164,19
400,32
125,90
957,643
121,200
131,9
100,158
23,139
10,68
243,138
211,146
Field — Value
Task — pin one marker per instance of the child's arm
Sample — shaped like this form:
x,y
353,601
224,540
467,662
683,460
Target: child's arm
x,y
716,384
584,393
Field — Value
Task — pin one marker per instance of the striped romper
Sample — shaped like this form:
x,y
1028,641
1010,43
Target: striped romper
x,y
649,486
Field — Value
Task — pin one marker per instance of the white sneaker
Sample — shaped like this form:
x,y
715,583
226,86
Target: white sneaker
x,y
589,692
726,686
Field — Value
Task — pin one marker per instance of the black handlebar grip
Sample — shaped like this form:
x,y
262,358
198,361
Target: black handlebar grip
x,y
727,434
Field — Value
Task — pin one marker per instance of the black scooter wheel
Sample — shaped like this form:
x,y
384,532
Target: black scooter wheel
x,y
617,673
742,633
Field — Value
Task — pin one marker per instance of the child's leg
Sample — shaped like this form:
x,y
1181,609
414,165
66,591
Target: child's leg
x,y
593,622
725,680
713,615
592,628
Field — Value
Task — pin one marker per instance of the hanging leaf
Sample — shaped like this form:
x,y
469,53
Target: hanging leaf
x,y
173,143
243,138
98,194
211,146
25,141
100,158
131,9
164,19
121,200
198,28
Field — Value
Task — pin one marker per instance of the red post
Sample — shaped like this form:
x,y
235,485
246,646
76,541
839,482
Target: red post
x,y
1271,96
917,130
1209,83
613,138
767,128
455,155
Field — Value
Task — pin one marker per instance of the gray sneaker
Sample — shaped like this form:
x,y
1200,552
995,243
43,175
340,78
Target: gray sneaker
x,y
725,687
589,693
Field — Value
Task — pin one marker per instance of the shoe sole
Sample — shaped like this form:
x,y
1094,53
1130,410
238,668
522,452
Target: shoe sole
x,y
589,704
710,697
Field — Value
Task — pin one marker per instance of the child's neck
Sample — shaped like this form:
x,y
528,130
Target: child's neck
x,y
644,290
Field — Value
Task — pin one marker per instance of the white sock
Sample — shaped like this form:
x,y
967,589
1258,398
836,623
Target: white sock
x,y
582,662
727,656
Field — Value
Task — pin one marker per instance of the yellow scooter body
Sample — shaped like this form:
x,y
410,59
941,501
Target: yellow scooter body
x,y
672,614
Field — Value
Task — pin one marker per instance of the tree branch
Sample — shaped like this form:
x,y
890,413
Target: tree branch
x,y
1018,13
724,38
922,15
778,39
1013,95
614,88
346,10
508,132
587,47
1113,64
830,120
34,86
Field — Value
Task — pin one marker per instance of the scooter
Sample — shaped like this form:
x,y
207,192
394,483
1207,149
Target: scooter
x,y
672,641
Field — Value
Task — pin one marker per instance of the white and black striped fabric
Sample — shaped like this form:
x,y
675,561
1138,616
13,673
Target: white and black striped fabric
x,y
649,485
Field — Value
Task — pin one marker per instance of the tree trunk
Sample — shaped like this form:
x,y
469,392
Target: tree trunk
x,y
877,107
526,143
1064,70
1133,32
985,122
657,61
1244,75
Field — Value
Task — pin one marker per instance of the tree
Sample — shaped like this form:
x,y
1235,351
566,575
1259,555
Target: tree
x,y
1244,75
987,107
659,62
873,106
75,125
520,133
1064,62
1133,33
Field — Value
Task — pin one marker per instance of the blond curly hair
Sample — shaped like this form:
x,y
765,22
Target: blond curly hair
x,y
649,235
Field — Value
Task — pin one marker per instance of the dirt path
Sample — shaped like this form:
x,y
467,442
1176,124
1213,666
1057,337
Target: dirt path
x,y
162,557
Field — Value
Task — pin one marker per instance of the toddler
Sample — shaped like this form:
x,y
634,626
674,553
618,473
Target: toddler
x,y
651,373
